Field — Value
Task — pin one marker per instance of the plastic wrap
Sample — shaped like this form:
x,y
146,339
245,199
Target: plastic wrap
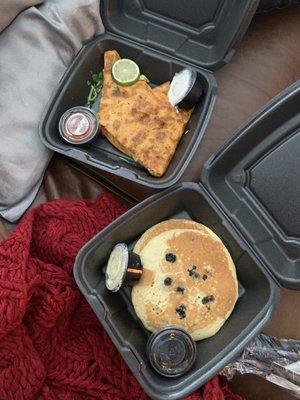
x,y
276,360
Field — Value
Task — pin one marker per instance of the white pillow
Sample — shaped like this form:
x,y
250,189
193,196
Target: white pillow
x,y
35,51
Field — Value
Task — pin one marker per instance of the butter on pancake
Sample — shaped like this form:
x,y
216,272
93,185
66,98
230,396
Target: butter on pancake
x,y
189,279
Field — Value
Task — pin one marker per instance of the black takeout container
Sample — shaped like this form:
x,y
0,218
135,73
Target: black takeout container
x,y
249,196
162,37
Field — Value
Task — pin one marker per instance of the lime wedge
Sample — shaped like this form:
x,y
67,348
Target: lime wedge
x,y
125,72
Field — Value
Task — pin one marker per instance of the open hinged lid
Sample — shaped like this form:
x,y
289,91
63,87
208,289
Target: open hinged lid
x,y
255,178
198,31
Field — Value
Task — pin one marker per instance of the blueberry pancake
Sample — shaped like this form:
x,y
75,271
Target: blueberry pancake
x,y
189,279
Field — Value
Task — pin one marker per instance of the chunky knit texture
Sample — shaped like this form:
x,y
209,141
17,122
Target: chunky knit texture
x,y
52,347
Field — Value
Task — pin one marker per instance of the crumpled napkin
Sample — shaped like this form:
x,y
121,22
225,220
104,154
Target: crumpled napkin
x,y
35,50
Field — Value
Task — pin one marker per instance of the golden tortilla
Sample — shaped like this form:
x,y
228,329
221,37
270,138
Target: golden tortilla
x,y
139,120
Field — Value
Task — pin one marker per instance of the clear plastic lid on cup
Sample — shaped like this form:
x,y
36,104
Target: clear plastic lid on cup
x,y
79,125
171,351
124,267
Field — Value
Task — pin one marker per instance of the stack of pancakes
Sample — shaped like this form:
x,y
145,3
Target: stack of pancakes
x,y
189,279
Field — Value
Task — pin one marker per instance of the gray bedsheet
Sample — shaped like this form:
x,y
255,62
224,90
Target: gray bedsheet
x,y
35,50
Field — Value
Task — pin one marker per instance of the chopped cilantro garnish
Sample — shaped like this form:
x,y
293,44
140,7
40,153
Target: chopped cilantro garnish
x,y
95,83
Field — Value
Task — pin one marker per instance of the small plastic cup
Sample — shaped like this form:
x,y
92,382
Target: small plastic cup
x,y
171,351
124,267
79,125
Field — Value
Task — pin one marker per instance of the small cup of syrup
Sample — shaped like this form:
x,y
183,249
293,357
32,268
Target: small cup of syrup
x,y
79,125
171,351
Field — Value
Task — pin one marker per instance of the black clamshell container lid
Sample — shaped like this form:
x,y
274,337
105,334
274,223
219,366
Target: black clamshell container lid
x,y
201,32
163,37
255,177
250,198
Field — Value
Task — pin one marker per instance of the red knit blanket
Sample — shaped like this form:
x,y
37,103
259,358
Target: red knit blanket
x,y
51,344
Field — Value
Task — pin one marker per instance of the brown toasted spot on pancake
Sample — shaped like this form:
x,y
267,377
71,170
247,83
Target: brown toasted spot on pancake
x,y
147,277
167,225
134,110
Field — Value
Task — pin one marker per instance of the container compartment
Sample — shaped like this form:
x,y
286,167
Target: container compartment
x,y
255,178
73,91
116,313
